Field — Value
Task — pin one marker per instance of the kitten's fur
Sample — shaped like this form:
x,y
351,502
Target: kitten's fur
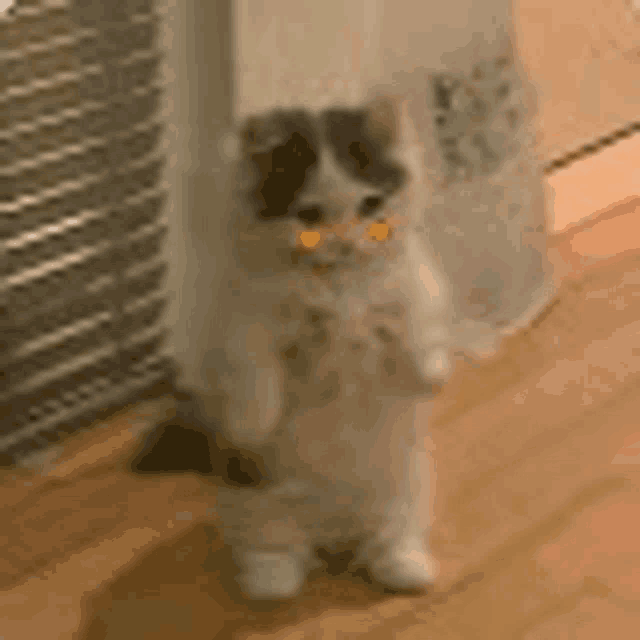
x,y
326,352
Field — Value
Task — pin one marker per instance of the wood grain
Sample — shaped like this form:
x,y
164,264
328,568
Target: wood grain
x,y
531,512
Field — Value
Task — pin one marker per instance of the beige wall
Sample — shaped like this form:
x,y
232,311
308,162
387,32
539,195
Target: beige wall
x,y
280,52
300,51
583,56
311,52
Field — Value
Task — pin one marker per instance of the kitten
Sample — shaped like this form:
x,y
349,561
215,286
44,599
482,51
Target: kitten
x,y
334,280
339,313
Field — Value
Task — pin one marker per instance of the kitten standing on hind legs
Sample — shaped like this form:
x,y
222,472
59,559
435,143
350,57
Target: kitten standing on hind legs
x,y
337,481
334,220
327,225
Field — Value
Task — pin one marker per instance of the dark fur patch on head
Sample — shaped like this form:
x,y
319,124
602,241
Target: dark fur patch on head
x,y
361,143
280,148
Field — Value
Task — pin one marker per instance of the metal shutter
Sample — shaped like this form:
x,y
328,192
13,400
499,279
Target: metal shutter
x,y
81,215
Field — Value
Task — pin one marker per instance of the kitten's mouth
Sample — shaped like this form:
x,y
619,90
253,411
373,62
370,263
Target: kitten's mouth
x,y
310,259
344,260
320,265
321,269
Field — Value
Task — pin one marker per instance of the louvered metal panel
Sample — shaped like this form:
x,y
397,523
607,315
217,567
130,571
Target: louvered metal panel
x,y
81,215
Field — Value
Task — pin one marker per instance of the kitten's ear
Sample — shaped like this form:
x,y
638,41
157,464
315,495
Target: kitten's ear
x,y
383,119
252,131
258,133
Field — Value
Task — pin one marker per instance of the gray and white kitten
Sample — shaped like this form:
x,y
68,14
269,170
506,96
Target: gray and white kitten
x,y
340,307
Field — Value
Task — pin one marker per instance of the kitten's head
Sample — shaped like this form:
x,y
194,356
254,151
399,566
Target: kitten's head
x,y
331,198
328,196
327,190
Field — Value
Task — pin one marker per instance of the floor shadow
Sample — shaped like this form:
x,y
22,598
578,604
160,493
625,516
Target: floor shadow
x,y
186,589
182,445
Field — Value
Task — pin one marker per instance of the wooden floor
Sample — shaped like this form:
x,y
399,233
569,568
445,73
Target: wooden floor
x,y
536,518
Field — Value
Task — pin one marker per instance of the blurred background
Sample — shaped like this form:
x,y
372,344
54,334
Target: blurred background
x,y
111,119
113,162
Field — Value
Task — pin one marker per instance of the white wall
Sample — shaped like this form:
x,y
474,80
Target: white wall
x,y
314,51
280,52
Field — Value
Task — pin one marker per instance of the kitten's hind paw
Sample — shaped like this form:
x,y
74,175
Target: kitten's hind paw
x,y
271,575
436,365
406,566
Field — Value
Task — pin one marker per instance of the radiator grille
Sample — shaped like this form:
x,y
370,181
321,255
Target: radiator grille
x,y
81,215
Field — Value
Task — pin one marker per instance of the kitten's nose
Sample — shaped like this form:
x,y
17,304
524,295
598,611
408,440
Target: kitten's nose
x,y
312,216
483,302
484,297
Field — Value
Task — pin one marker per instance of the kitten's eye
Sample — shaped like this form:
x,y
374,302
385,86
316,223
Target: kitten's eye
x,y
502,91
310,216
370,205
360,154
441,120
442,96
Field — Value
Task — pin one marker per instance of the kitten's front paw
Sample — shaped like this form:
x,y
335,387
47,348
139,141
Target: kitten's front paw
x,y
255,411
